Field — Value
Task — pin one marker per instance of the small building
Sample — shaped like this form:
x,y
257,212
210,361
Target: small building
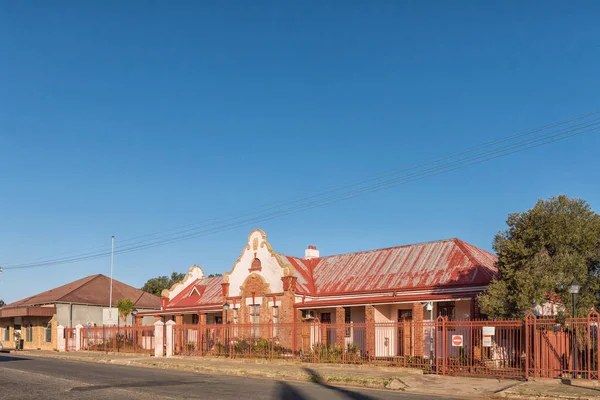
x,y
413,282
35,318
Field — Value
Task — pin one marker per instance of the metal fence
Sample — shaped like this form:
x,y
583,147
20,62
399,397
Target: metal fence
x,y
126,339
533,347
540,347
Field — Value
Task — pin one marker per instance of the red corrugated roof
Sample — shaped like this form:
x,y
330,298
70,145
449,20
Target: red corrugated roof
x,y
200,292
430,265
424,265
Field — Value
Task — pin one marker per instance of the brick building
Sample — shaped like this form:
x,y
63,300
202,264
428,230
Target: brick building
x,y
386,285
36,318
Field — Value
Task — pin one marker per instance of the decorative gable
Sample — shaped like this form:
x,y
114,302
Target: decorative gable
x,y
195,273
258,258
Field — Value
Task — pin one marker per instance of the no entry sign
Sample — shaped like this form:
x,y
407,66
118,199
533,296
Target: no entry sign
x,y
457,340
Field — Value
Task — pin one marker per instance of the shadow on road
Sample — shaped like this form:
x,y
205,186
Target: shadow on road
x,y
288,392
9,358
318,379
144,384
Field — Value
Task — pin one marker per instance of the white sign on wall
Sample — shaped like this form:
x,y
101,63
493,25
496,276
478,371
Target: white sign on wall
x,y
110,316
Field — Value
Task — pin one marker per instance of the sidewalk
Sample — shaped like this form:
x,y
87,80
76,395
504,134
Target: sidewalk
x,y
392,378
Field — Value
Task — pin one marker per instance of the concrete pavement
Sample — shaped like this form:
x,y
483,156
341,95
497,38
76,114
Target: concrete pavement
x,y
34,378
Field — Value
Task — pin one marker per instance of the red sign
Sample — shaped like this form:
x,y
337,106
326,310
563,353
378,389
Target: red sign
x,y
457,340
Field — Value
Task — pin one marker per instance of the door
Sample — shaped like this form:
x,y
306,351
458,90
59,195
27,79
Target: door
x,y
404,332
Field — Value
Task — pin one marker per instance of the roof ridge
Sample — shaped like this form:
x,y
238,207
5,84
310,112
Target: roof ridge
x,y
80,286
462,245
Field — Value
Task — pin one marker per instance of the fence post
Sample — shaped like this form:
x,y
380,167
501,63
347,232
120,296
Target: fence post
x,y
444,345
170,337
78,329
528,317
159,331
60,338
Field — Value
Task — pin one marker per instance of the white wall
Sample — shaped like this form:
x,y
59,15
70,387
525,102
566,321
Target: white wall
x,y
272,271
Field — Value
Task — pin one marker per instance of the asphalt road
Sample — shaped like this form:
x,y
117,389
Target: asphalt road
x,y
42,378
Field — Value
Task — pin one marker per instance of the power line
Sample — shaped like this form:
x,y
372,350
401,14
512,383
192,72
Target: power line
x,y
257,210
522,145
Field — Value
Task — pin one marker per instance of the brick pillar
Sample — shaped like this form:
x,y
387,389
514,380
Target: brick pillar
x,y
417,315
370,330
179,323
201,332
340,331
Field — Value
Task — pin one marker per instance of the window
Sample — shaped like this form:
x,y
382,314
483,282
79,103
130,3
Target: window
x,y
29,333
446,310
7,333
326,318
275,321
255,319
48,333
347,320
195,318
404,315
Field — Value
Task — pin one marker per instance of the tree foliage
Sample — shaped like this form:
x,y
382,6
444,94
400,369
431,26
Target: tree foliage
x,y
125,306
2,303
214,275
541,253
156,285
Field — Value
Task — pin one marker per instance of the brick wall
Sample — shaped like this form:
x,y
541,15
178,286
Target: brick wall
x,y
417,315
370,330
38,333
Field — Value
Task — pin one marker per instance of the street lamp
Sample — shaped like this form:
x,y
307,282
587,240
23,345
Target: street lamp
x,y
574,289
134,313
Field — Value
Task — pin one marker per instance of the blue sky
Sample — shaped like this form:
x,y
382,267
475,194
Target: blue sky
x,y
129,118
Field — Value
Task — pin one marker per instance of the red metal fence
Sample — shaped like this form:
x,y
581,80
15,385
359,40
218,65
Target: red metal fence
x,y
533,347
127,339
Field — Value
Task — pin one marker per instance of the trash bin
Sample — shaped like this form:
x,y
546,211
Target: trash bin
x,y
20,344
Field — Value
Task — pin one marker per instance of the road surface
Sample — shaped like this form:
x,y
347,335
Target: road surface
x,y
44,378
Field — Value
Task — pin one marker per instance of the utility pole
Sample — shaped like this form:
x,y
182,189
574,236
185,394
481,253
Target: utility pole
x,y
112,262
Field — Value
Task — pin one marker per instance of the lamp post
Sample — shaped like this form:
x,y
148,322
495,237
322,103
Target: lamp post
x,y
134,313
225,310
574,289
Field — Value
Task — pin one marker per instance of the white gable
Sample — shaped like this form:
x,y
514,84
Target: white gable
x,y
193,274
272,271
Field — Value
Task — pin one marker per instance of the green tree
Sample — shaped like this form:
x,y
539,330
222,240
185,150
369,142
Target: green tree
x,y
214,275
156,285
125,307
540,254
2,303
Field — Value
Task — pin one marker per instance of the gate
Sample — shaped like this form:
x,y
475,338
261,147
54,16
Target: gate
x,y
557,349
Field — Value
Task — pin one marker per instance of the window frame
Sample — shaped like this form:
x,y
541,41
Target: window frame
x,y
254,314
348,321
275,321
48,333
29,333
447,309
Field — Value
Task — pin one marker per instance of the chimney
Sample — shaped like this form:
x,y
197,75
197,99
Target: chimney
x,y
311,252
